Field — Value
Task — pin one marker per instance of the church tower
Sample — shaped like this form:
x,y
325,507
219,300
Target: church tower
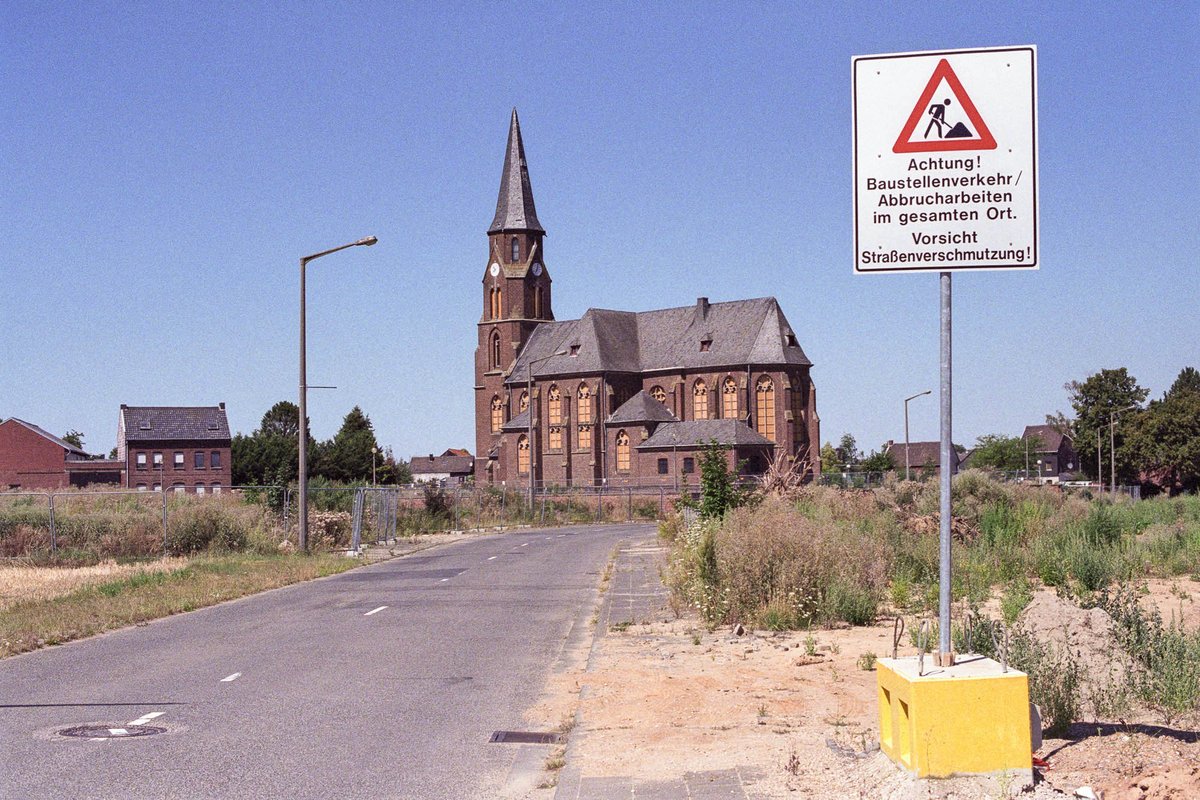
x,y
516,299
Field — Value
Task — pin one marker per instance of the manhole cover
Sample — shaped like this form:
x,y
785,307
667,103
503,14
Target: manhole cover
x,y
525,737
114,732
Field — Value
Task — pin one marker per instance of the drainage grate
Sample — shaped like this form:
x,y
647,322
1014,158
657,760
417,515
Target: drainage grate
x,y
106,732
525,737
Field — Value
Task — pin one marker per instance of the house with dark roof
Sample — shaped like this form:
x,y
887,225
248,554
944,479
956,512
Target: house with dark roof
x,y
602,399
180,448
1051,452
34,459
923,458
453,466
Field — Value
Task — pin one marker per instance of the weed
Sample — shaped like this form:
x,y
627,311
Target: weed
x,y
810,645
1017,594
620,627
792,765
866,661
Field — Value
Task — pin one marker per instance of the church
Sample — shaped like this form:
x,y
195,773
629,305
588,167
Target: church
x,y
620,398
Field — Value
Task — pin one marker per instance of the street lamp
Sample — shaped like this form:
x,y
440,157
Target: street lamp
x,y
1112,447
914,397
529,393
303,465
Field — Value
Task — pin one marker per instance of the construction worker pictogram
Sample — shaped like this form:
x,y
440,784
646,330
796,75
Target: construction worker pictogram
x,y
934,108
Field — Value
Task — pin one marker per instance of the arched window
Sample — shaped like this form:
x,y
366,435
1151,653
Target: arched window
x,y
554,412
497,413
495,349
799,434
729,399
497,305
537,302
523,455
699,400
524,404
659,394
764,407
584,412
516,250
622,451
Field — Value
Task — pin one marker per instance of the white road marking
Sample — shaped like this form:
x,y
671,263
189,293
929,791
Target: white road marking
x,y
548,538
117,732
525,544
491,558
142,720
231,678
561,535
374,611
443,580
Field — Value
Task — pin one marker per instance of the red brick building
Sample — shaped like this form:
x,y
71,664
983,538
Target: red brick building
x,y
34,459
621,397
182,449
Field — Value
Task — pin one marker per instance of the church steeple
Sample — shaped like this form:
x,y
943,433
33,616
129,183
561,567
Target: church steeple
x,y
514,206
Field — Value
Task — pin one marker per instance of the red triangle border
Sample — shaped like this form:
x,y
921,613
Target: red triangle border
x,y
943,71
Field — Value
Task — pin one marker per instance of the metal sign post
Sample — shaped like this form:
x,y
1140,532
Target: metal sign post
x,y
945,180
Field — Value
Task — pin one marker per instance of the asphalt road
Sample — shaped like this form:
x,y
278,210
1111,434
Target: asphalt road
x,y
302,693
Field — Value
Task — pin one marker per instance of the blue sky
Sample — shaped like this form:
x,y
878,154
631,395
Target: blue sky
x,y
166,164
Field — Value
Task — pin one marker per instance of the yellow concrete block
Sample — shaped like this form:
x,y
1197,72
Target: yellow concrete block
x,y
968,719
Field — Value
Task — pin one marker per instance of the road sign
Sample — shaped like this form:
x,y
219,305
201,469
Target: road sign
x,y
945,160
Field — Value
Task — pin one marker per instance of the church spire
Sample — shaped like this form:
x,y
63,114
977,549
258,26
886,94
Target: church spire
x,y
514,206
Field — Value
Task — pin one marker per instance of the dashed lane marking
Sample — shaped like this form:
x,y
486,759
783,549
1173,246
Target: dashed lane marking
x,y
142,720
491,558
443,580
374,611
231,678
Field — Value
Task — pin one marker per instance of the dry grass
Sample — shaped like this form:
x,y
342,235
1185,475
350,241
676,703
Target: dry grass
x,y
107,604
32,583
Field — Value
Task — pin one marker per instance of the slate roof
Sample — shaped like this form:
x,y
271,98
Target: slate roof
x,y
448,464
156,423
920,454
738,333
514,206
518,423
699,432
70,448
1051,439
641,408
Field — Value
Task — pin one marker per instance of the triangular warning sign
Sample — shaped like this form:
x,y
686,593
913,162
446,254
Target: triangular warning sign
x,y
939,133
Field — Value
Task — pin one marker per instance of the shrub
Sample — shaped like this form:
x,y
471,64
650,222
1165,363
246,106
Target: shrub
x,y
849,602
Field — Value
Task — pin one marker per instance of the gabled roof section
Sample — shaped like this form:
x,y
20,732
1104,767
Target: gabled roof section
x,y
920,454
153,423
518,423
704,336
1051,439
70,448
445,463
641,408
700,432
514,206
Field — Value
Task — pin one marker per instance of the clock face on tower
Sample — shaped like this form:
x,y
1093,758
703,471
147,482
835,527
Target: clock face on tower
x,y
537,269
494,270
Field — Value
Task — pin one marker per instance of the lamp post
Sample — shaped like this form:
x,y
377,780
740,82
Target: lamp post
x,y
914,397
529,392
1112,447
303,459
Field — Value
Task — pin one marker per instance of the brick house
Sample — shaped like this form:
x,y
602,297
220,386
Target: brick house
x,y
453,466
923,457
184,449
616,393
1055,450
34,459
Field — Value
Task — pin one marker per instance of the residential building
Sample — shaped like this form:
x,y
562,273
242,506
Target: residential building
x,y
619,397
923,457
453,466
34,459
1053,449
176,448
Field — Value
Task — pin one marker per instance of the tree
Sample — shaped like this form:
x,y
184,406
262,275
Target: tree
x,y
347,457
283,419
829,458
1164,440
1104,395
878,462
73,438
270,455
1004,453
847,451
717,491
